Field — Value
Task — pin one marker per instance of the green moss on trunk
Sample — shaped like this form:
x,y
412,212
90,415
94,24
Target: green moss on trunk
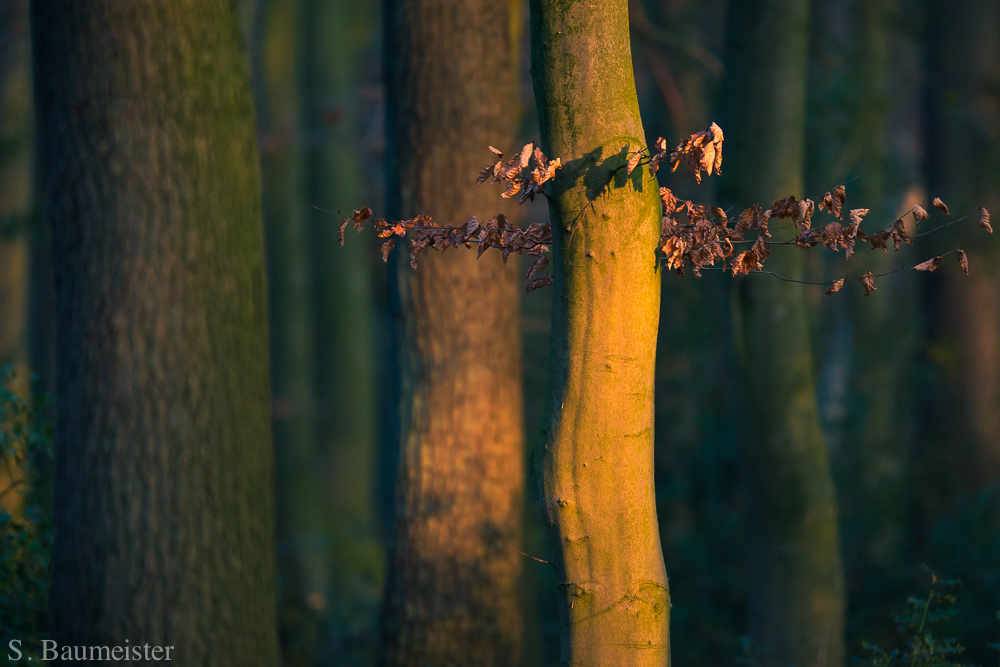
x,y
595,464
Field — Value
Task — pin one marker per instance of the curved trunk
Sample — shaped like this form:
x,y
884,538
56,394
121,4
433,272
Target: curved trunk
x,y
595,465
452,593
796,577
163,512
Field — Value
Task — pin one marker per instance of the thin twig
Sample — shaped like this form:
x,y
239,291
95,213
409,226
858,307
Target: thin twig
x,y
692,49
534,558
788,279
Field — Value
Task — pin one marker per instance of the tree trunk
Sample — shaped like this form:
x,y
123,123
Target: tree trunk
x,y
452,594
595,464
963,166
864,124
337,40
796,577
163,514
15,176
301,549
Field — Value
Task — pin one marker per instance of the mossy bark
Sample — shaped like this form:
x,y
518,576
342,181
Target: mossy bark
x,y
452,590
796,611
163,514
337,40
595,464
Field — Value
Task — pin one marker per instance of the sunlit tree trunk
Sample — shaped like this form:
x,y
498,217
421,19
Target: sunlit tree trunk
x,y
452,590
796,578
338,44
150,176
595,463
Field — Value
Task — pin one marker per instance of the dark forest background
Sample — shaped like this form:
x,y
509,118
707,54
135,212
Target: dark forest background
x,y
903,105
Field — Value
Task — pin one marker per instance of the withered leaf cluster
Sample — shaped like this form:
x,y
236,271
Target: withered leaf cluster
x,y
497,232
526,172
691,235
701,152
688,234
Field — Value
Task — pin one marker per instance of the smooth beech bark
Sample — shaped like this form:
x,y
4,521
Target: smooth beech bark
x,y
595,463
796,578
164,512
452,591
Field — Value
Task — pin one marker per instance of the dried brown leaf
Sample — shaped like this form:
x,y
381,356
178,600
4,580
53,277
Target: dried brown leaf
x,y
857,215
387,248
538,265
761,249
633,162
929,265
835,287
540,281
919,213
526,155
868,282
963,261
668,199
745,262
941,206
833,201
512,189
343,228
984,220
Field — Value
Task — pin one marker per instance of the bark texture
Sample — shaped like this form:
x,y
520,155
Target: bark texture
x,y
337,37
452,593
595,464
796,613
163,510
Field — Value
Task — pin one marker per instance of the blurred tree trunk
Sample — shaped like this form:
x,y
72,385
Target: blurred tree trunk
x,y
864,123
163,515
963,166
15,206
338,40
595,463
697,461
302,565
796,578
452,591
15,176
